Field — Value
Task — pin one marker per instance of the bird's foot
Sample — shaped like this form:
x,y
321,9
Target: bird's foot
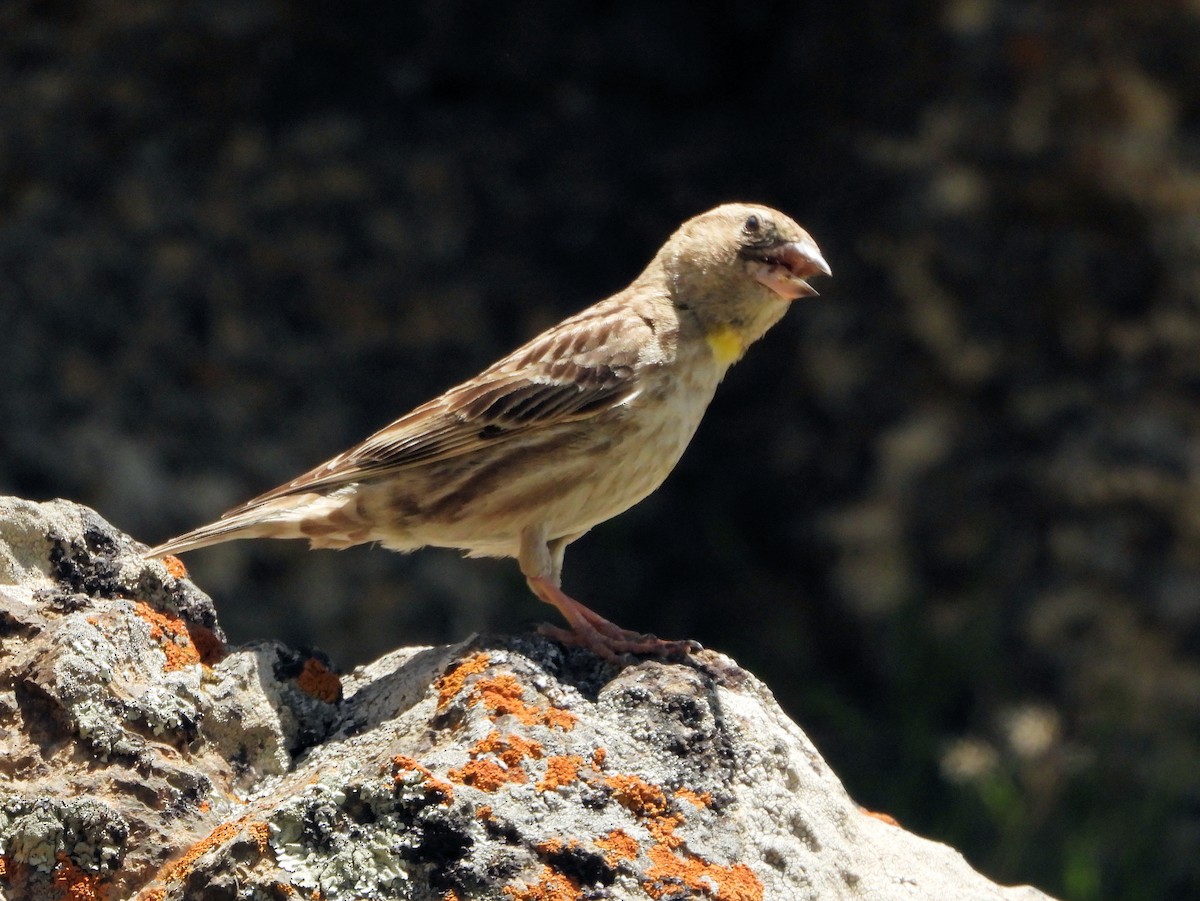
x,y
620,650
605,638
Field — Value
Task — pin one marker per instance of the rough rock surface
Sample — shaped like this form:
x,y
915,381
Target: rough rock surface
x,y
140,756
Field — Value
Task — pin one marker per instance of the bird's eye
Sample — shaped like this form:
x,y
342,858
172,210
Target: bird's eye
x,y
752,225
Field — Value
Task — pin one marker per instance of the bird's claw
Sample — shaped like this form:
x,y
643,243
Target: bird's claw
x,y
603,637
621,648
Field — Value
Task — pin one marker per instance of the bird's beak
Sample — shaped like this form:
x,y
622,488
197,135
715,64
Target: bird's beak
x,y
785,268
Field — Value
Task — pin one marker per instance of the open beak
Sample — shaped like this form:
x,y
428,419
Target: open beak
x,y
785,268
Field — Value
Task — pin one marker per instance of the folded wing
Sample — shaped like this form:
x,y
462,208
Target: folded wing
x,y
577,370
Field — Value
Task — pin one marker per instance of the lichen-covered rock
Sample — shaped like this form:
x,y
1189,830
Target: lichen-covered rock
x,y
140,756
126,725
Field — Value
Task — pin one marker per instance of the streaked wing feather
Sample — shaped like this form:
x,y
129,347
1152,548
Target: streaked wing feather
x,y
578,369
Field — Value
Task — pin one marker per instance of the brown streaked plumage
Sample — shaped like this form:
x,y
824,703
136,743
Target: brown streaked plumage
x,y
565,432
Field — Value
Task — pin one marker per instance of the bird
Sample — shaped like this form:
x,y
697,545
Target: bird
x,y
564,433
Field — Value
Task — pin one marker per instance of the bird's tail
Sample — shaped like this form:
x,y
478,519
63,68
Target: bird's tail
x,y
296,516
222,530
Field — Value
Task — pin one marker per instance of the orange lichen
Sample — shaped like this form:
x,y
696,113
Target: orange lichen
x,y
402,765
258,831
699,799
500,695
451,895
261,833
670,870
552,886
882,817
662,830
73,884
3,867
598,757
451,684
182,867
560,771
512,749
487,775
175,566
319,681
638,796
184,643
552,846
557,718
503,695
497,760
671,867
617,846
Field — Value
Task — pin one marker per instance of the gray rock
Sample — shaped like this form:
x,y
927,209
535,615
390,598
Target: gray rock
x,y
139,754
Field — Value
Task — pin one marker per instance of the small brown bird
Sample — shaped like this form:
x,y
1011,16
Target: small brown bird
x,y
565,432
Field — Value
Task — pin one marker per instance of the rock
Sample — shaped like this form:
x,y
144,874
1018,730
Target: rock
x,y
141,756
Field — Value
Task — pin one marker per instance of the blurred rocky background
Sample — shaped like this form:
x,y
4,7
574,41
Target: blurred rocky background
x,y
950,511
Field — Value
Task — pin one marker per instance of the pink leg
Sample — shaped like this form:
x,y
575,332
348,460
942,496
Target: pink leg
x,y
591,630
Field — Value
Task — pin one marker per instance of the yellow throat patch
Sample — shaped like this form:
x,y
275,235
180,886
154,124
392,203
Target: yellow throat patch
x,y
726,344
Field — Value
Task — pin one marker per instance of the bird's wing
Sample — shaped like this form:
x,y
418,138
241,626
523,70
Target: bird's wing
x,y
576,370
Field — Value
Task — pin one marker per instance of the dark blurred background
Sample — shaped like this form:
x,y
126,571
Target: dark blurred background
x,y
949,512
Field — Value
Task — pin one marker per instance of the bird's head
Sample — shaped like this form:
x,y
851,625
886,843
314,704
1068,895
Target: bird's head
x,y
738,266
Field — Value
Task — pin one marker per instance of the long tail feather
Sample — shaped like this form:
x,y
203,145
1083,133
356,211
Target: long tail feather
x,y
279,518
226,530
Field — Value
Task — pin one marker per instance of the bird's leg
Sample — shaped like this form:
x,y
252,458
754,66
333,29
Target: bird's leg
x,y
557,549
541,562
